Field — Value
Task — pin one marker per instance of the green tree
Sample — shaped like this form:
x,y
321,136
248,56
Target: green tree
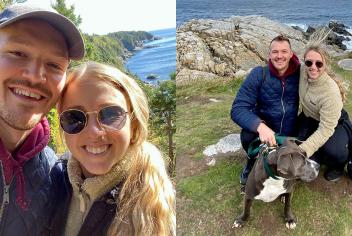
x,y
163,114
55,141
5,3
68,11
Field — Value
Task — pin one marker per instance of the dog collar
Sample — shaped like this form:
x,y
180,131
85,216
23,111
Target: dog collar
x,y
255,146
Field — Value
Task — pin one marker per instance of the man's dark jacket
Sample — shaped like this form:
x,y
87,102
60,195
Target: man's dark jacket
x,y
38,189
272,100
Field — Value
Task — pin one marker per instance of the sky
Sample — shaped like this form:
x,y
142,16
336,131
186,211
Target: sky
x,y
106,16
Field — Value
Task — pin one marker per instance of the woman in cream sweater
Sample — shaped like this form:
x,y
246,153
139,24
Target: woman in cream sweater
x,y
323,123
113,182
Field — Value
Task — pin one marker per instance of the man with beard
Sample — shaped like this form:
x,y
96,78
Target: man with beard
x,y
267,102
36,46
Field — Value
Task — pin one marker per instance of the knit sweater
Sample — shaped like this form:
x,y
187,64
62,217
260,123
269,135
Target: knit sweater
x,y
86,191
321,100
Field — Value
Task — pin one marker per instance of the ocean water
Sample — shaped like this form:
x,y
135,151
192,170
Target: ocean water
x,y
291,12
157,58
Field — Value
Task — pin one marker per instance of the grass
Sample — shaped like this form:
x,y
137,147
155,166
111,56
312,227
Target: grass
x,y
208,201
201,119
214,192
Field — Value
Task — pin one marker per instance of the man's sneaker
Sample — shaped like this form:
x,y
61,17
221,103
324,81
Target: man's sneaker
x,y
333,175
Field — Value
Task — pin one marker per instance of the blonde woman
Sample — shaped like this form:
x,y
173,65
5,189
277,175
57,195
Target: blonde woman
x,y
114,182
323,123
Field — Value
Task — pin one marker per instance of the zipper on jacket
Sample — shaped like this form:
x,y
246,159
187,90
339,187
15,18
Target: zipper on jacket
x,y
5,199
282,104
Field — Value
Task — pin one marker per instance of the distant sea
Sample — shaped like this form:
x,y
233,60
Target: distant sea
x,y
292,12
157,58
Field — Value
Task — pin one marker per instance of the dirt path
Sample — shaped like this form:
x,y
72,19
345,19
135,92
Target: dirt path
x,y
187,165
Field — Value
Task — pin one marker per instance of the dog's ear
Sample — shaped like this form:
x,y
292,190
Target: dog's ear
x,y
290,159
291,165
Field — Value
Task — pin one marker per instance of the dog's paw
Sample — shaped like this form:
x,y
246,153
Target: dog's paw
x,y
282,199
237,224
291,224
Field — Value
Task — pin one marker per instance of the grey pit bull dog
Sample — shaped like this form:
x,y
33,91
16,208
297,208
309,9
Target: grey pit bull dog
x,y
274,174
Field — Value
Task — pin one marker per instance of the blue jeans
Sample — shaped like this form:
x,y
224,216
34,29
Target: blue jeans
x,y
246,171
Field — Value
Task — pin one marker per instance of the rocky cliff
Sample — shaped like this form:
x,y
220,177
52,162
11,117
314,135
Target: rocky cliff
x,y
230,47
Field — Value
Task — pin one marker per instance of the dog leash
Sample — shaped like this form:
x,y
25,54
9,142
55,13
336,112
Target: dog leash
x,y
266,165
256,147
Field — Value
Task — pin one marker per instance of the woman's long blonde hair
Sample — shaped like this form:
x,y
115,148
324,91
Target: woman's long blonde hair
x,y
316,44
146,204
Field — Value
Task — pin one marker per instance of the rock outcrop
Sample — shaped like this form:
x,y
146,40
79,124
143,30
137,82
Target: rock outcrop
x,y
345,64
339,28
208,48
337,35
227,145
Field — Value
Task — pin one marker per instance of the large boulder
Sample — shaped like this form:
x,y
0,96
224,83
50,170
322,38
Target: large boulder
x,y
345,64
226,145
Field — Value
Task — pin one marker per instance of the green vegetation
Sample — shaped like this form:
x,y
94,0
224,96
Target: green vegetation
x,y
104,49
208,198
69,12
201,122
4,3
131,39
163,112
55,141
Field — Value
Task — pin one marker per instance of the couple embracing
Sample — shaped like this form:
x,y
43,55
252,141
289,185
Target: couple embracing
x,y
112,181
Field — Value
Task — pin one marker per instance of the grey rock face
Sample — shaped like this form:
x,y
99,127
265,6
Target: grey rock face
x,y
229,144
229,47
339,28
208,49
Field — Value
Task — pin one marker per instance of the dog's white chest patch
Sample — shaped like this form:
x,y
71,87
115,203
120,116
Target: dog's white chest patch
x,y
272,189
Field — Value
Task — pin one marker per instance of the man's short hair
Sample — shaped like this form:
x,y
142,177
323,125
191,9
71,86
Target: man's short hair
x,y
281,38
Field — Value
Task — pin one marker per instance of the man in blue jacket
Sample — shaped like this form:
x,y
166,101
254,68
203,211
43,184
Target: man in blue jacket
x,y
267,102
36,46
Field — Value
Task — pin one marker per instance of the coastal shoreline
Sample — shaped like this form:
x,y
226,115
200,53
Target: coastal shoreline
x,y
156,59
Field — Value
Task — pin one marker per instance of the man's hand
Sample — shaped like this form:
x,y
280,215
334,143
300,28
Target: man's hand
x,y
266,135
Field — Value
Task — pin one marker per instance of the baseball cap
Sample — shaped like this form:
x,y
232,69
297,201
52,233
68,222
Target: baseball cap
x,y
70,32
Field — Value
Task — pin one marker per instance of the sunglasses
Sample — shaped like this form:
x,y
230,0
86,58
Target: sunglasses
x,y
73,121
318,64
